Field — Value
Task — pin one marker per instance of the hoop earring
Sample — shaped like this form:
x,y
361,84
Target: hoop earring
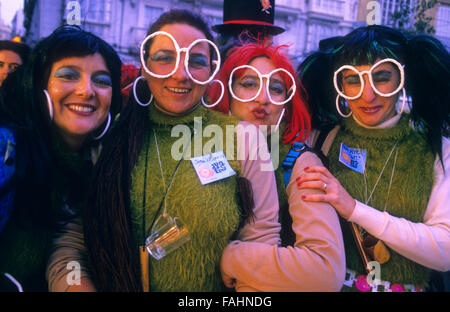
x,y
49,104
403,102
220,98
106,128
339,110
135,94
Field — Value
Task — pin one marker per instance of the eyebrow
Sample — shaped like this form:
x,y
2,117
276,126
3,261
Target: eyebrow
x,y
164,50
199,54
103,72
383,71
77,68
249,76
279,80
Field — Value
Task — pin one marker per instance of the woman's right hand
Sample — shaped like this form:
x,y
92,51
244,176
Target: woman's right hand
x,y
318,177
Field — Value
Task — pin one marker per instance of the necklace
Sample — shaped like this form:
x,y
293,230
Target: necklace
x,y
162,173
163,200
379,177
143,254
366,243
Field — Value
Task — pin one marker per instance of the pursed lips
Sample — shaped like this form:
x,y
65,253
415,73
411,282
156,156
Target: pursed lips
x,y
259,113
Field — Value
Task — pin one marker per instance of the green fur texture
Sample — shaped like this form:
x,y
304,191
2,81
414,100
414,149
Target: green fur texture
x,y
210,212
409,194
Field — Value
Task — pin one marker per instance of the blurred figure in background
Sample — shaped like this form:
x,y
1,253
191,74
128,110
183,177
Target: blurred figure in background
x,y
12,54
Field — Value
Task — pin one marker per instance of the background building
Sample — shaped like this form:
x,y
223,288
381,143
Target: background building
x,y
124,23
439,16
17,28
441,22
5,30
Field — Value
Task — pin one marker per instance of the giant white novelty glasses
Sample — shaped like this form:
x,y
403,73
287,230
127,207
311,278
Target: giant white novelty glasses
x,y
386,78
246,83
164,57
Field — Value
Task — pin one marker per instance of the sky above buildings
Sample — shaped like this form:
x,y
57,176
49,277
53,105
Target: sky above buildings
x,y
9,8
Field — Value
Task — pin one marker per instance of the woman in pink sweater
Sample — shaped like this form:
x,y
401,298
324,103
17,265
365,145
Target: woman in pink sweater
x,y
262,89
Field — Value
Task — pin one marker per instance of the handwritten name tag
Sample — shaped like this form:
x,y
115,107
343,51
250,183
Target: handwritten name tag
x,y
353,158
212,167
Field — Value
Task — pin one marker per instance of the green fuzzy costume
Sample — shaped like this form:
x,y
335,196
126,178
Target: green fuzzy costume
x,y
409,193
210,212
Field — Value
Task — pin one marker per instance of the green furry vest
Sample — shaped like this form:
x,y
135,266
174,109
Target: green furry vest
x,y
211,212
410,190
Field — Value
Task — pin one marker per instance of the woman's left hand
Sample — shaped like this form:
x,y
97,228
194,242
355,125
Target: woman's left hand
x,y
318,177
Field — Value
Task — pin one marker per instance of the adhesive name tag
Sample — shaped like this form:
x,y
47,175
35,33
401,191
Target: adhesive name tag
x,y
354,158
212,167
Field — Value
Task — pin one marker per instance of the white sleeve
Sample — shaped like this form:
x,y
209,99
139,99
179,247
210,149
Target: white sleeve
x,y
426,243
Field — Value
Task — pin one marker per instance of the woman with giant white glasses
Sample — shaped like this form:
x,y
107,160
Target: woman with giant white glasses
x,y
389,163
163,204
262,89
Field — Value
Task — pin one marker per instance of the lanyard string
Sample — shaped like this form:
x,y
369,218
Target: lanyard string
x,y
163,200
361,230
381,173
162,173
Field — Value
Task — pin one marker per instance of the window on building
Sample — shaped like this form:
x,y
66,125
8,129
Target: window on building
x,y
391,7
97,11
443,21
152,14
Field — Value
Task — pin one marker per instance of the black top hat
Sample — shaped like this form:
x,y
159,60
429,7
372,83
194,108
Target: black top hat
x,y
248,14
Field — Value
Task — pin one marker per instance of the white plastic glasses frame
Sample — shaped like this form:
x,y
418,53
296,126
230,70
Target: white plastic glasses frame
x,y
369,73
186,59
261,76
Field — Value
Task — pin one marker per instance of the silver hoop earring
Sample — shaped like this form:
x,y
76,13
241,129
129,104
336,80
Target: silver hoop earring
x,y
106,128
339,110
220,98
49,104
403,102
135,94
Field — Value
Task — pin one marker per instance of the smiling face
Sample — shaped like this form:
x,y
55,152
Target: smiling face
x,y
81,90
371,108
259,111
9,61
177,94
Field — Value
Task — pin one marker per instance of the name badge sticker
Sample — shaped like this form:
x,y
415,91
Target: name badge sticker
x,y
212,167
353,158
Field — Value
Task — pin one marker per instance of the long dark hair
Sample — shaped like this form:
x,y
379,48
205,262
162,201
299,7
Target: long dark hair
x,y
21,49
427,75
29,116
112,253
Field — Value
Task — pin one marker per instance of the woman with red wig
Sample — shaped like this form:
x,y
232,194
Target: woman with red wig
x,y
257,83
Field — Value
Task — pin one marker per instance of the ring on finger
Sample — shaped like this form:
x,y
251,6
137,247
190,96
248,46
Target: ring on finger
x,y
324,186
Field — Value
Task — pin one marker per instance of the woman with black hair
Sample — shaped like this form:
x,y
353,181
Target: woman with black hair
x,y
59,109
389,168
12,55
144,180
